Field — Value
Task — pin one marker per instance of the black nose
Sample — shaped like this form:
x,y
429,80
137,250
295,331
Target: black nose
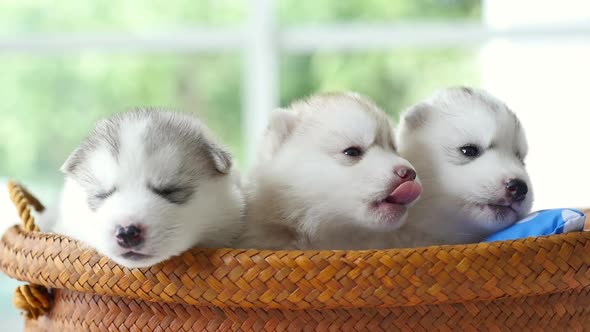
x,y
517,189
128,237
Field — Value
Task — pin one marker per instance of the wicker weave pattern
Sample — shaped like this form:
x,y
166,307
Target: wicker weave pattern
x,y
32,299
529,284
75,311
301,280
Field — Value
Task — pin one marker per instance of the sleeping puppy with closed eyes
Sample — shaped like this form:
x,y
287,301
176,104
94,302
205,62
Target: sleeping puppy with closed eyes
x,y
146,185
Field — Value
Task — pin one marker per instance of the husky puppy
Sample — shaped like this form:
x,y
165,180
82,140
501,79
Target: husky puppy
x,y
469,149
328,177
146,185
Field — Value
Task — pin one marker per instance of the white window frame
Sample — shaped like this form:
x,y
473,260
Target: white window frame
x,y
262,42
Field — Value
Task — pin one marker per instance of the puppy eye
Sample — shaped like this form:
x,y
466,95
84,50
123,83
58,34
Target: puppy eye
x,y
470,151
97,199
353,152
175,195
105,195
165,191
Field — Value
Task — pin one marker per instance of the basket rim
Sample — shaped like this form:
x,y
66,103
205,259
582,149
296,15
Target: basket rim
x,y
309,279
220,277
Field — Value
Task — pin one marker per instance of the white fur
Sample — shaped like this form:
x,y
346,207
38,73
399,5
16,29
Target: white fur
x,y
449,210
211,218
304,193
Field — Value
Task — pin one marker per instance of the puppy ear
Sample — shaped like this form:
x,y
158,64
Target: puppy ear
x,y
222,159
417,115
71,164
281,125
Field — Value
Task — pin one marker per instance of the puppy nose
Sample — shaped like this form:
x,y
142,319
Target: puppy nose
x,y
517,189
128,237
405,173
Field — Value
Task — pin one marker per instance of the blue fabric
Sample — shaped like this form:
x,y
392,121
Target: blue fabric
x,y
544,222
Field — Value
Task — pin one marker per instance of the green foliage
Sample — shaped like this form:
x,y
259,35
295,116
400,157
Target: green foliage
x,y
45,16
298,12
49,103
395,80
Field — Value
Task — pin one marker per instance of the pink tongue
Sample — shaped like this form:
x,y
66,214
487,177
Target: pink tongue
x,y
405,193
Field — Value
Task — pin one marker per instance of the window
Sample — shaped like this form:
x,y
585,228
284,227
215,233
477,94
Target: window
x,y
67,64
544,78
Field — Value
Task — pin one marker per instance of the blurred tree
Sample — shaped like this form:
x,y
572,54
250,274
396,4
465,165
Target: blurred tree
x,y
394,80
302,12
49,103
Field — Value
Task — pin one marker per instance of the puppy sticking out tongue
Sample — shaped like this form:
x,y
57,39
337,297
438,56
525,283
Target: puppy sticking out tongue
x,y
405,193
327,204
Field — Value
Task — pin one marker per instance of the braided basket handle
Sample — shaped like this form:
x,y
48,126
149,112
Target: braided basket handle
x,y
34,300
23,200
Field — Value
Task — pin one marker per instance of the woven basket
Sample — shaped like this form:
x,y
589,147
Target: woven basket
x,y
531,284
